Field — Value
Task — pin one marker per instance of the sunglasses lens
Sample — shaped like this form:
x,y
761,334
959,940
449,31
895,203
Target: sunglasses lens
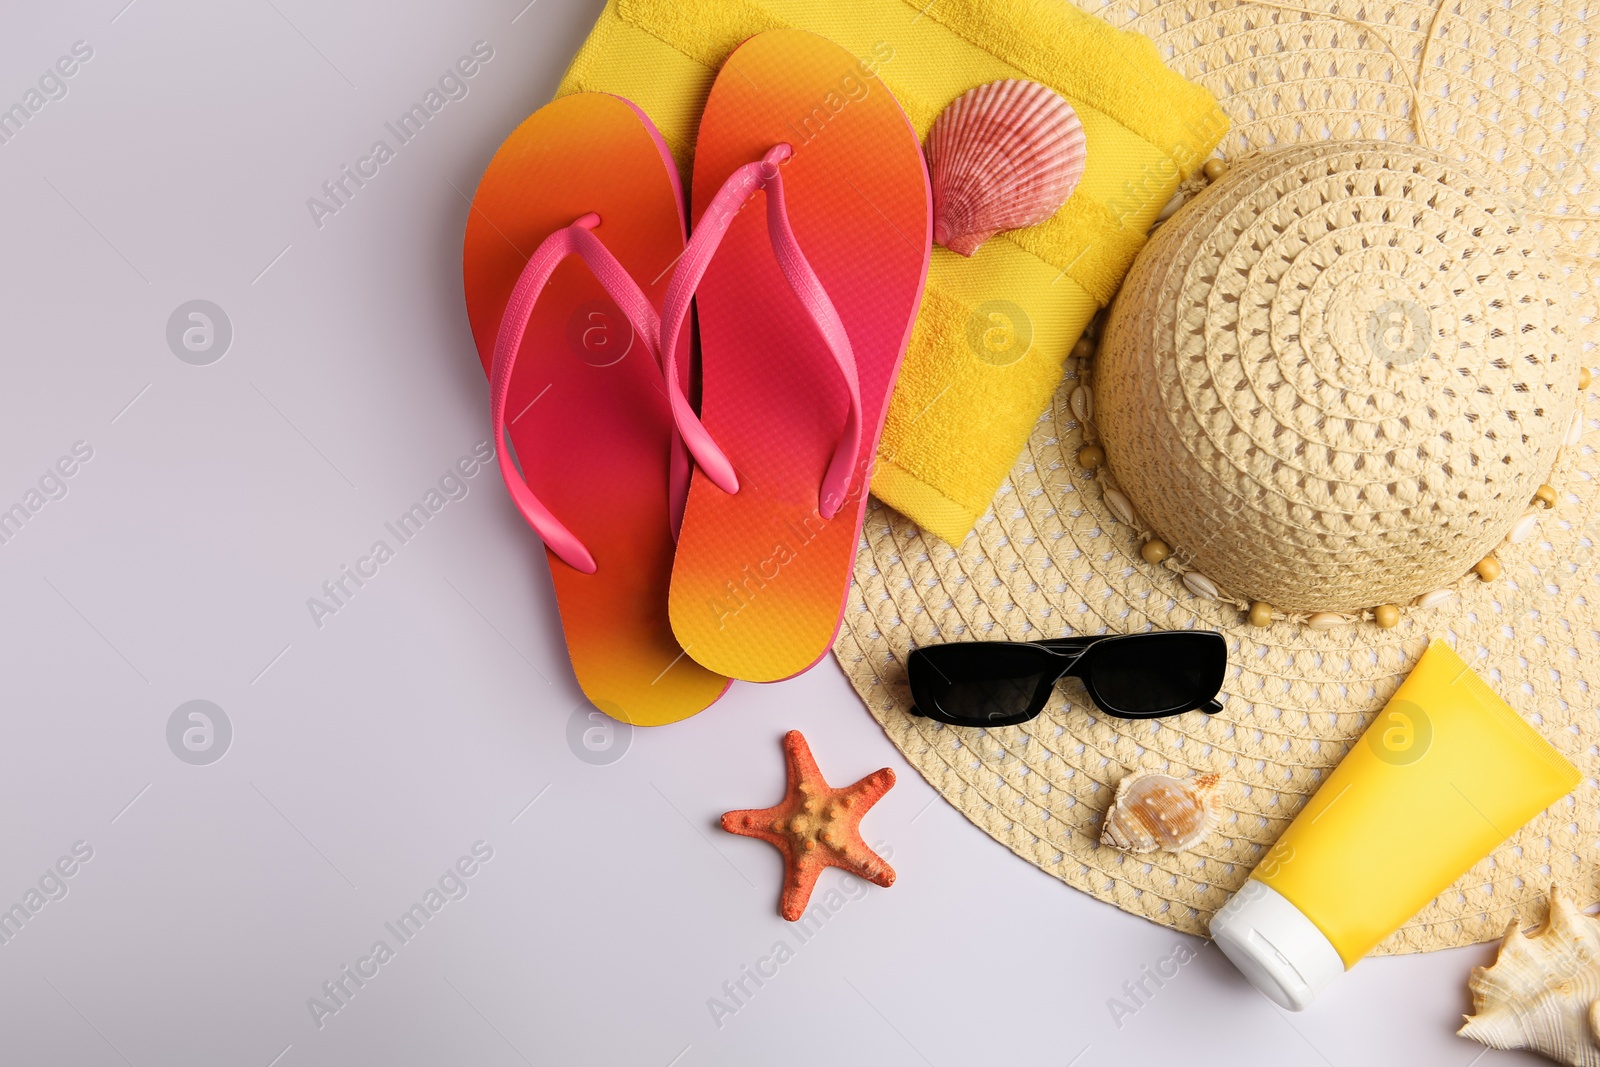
x,y
979,683
1158,673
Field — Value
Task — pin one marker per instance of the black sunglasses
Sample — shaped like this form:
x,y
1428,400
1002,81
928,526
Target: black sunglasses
x,y
1131,676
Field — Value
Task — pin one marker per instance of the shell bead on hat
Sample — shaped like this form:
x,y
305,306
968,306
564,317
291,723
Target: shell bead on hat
x,y
1171,207
1438,598
1083,404
1002,156
1120,509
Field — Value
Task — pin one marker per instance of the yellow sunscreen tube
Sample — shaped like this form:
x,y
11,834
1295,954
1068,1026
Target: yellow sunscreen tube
x,y
1445,773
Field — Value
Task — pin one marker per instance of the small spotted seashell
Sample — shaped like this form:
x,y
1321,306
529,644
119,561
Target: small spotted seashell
x,y
1524,528
1575,434
1200,585
1083,404
1156,811
1327,620
1436,599
1121,509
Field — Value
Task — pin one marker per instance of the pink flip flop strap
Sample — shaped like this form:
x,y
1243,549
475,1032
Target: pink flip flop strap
x,y
620,286
703,244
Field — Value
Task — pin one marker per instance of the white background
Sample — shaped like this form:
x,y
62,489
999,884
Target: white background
x,y
369,754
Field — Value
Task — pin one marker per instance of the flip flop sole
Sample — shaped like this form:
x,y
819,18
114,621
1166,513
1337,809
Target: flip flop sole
x,y
760,581
587,411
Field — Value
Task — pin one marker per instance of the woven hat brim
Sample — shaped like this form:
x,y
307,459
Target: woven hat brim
x,y
1508,83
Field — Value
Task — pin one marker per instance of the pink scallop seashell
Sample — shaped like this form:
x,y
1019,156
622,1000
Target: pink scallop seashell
x,y
1002,156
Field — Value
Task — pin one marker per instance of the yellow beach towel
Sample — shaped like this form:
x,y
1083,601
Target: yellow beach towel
x,y
987,351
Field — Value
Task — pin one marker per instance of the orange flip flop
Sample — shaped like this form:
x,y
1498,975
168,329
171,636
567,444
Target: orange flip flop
x,y
804,311
572,350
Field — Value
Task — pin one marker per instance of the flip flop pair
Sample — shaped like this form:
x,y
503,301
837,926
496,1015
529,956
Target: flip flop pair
x,y
673,576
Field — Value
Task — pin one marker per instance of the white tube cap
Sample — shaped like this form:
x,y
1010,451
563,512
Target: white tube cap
x,y
1280,951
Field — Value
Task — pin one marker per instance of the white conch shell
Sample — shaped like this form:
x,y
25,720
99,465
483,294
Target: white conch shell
x,y
1543,991
1002,156
1156,811
1200,585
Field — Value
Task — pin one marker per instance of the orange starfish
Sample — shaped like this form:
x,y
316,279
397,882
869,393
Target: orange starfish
x,y
815,826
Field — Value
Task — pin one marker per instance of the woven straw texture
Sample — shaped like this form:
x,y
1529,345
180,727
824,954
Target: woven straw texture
x,y
1337,379
1501,89
1509,88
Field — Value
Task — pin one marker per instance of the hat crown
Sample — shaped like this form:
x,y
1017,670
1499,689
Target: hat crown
x,y
1337,377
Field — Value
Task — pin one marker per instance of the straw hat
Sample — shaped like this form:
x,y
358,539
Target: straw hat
x,y
1335,383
